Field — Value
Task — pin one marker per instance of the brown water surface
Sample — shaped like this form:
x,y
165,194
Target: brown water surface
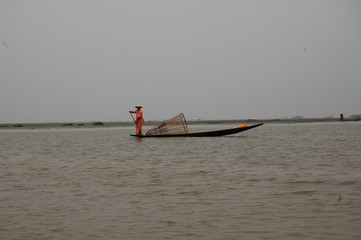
x,y
278,181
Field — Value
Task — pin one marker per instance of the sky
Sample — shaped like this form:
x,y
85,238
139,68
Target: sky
x,y
87,60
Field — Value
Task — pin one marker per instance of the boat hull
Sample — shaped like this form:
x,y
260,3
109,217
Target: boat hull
x,y
216,133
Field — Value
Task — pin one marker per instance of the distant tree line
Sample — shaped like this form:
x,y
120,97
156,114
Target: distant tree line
x,y
355,116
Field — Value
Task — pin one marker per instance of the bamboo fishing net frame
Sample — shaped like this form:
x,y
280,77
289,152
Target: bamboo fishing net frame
x,y
175,125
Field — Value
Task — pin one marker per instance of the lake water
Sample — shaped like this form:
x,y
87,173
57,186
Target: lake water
x,y
278,181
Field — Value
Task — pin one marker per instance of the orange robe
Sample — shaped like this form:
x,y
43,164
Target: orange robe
x,y
139,120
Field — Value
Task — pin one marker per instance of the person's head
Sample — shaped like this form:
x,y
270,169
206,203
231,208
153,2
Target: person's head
x,y
138,106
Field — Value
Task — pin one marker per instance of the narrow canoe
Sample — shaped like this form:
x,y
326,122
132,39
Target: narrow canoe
x,y
216,133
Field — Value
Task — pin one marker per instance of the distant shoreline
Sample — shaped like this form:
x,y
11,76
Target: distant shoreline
x,y
153,123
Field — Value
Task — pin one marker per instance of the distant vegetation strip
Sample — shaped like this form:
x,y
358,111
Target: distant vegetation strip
x,y
152,123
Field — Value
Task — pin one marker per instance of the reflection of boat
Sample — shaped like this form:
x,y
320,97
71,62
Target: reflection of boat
x,y
216,133
177,127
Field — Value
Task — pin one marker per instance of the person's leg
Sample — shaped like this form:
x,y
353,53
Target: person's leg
x,y
138,129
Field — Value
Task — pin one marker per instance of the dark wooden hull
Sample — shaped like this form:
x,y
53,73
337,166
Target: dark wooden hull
x,y
216,133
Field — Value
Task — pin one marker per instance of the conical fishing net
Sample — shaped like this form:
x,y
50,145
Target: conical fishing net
x,y
175,125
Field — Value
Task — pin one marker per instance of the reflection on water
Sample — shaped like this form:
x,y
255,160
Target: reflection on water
x,y
285,181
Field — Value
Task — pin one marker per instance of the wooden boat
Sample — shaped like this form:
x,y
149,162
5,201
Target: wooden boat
x,y
216,133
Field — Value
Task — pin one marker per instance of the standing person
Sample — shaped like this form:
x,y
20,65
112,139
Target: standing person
x,y
139,120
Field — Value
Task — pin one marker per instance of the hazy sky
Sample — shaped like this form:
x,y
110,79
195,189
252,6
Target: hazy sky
x,y
88,60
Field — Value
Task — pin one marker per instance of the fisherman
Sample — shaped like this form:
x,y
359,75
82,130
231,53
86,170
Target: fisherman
x,y
139,120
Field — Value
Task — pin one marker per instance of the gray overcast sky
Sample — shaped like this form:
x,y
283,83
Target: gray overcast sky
x,y
90,60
